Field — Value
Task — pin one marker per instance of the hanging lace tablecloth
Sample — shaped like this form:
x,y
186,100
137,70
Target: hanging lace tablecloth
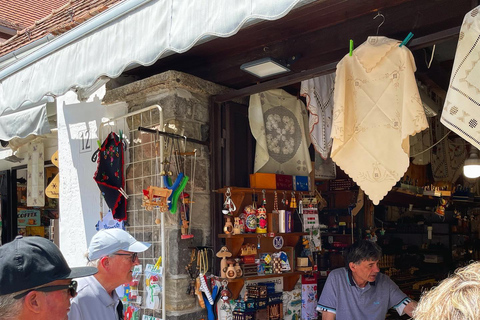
x,y
461,112
278,122
377,108
319,94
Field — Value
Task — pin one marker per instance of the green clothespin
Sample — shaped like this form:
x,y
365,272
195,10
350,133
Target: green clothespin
x,y
407,38
351,48
121,134
99,144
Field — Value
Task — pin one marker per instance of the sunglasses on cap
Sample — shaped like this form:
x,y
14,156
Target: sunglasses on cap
x,y
72,289
133,256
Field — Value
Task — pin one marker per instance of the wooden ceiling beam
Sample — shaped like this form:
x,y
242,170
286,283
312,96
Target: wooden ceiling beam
x,y
325,69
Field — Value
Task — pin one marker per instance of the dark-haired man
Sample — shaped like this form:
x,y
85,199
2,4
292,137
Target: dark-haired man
x,y
360,291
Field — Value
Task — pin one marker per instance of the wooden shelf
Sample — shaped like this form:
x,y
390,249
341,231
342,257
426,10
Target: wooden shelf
x,y
240,199
289,281
234,242
403,198
258,190
267,235
328,234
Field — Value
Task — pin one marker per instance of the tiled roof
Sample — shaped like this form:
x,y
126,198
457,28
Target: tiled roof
x,y
26,12
9,24
58,21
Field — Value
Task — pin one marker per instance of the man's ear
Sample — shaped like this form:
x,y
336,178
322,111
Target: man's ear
x,y
34,302
105,262
352,265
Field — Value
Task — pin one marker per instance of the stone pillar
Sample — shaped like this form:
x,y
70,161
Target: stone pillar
x,y
185,101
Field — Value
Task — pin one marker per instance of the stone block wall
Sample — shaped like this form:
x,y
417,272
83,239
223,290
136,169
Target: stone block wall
x,y
184,100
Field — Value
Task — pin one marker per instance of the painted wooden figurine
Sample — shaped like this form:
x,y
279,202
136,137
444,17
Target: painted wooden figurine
x,y
237,226
228,228
261,220
231,273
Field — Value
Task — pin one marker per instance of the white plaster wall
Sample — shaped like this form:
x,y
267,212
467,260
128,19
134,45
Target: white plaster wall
x,y
79,194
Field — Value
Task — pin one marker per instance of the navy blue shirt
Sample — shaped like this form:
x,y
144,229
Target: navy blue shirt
x,y
342,296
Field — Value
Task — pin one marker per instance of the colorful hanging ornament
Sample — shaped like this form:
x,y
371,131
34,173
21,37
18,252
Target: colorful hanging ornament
x,y
275,202
250,219
293,201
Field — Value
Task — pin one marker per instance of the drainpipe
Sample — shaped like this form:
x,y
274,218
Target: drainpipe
x,y
15,54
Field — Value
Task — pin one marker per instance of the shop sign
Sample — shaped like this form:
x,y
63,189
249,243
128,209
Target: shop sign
x,y
28,217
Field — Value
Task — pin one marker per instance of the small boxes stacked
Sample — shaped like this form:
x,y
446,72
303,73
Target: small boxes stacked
x,y
285,221
284,182
244,310
279,182
262,303
263,181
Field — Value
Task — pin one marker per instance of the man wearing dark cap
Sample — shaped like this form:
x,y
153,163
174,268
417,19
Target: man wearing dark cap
x,y
115,253
36,281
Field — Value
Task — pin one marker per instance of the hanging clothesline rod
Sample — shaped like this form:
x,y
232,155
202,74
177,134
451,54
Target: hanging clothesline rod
x,y
172,135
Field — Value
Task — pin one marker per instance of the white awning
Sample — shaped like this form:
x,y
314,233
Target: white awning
x,y
134,32
28,119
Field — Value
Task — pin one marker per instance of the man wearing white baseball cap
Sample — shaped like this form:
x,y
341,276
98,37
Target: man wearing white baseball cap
x,y
114,252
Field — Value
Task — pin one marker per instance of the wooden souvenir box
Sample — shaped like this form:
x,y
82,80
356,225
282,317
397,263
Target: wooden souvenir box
x,y
301,183
262,314
263,181
272,222
275,298
284,182
241,315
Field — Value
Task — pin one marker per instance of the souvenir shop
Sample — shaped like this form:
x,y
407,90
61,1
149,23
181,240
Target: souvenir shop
x,y
361,125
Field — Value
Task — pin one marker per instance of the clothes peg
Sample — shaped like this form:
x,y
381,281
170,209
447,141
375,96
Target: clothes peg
x,y
351,48
407,38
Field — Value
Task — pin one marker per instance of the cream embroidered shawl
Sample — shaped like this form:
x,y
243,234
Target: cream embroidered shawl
x,y
377,108
461,112
278,122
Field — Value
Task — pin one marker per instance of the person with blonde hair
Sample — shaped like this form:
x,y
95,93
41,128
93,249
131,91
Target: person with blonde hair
x,y
455,298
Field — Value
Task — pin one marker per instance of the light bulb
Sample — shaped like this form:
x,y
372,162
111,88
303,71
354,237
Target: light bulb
x,y
471,171
471,168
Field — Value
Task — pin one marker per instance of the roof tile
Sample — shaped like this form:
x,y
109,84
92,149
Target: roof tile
x,y
25,12
58,21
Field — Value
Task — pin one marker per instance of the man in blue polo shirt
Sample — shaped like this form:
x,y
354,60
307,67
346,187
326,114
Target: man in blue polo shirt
x,y
359,291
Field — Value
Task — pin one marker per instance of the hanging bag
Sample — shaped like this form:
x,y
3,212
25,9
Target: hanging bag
x,y
110,177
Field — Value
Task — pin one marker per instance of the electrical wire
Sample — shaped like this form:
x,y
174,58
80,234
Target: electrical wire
x,y
429,64
433,145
